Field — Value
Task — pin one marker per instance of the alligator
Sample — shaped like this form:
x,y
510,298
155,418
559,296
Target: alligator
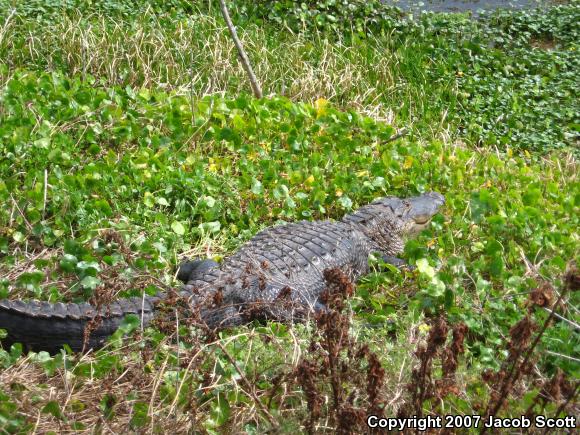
x,y
278,274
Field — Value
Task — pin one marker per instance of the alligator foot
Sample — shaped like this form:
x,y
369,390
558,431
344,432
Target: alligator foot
x,y
397,262
195,269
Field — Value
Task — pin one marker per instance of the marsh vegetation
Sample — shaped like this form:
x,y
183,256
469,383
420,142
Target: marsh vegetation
x,y
129,140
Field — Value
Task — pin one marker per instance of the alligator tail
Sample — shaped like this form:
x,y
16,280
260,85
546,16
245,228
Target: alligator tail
x,y
45,326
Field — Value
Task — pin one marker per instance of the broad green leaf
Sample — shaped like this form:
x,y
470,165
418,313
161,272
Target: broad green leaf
x,y
53,408
178,228
90,282
425,268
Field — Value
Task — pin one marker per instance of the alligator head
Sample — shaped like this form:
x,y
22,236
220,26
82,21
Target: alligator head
x,y
390,221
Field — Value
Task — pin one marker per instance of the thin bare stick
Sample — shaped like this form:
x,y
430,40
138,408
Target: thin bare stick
x,y
45,193
399,135
571,358
562,318
21,213
243,57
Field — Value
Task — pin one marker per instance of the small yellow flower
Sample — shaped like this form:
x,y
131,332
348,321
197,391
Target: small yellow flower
x,y
321,106
424,328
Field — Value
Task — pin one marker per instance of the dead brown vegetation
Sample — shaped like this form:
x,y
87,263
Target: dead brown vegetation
x,y
330,384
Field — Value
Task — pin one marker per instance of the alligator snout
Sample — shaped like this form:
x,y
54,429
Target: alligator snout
x,y
436,197
422,208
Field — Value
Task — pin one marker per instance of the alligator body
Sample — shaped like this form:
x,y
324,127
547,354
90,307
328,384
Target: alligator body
x,y
278,274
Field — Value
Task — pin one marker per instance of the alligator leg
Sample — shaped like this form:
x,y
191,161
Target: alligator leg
x,y
397,262
319,307
195,269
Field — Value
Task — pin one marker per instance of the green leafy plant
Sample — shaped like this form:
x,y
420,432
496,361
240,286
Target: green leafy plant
x,y
108,176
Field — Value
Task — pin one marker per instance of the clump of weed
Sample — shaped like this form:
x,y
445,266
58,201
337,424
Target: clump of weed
x,y
522,355
517,375
338,368
423,386
557,389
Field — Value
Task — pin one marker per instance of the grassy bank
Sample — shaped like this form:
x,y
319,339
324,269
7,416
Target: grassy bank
x,y
127,142
444,73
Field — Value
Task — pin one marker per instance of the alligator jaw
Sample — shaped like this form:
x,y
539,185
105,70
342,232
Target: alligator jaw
x,y
421,210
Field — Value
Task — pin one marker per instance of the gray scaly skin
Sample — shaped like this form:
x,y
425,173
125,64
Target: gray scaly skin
x,y
278,274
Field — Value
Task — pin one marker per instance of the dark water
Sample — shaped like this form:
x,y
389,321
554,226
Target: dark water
x,y
473,6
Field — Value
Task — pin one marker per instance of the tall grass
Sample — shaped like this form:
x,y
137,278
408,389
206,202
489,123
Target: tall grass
x,y
195,55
